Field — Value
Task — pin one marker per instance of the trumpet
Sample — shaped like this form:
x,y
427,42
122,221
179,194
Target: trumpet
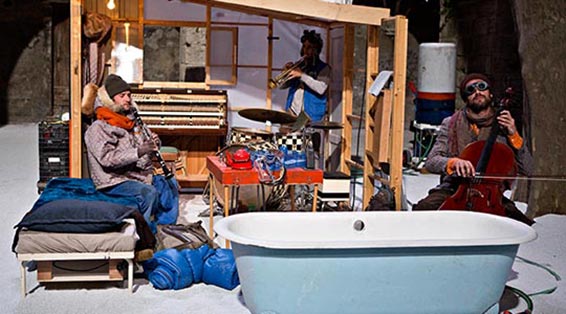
x,y
284,75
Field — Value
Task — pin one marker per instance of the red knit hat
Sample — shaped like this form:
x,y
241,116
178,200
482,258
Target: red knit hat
x,y
469,77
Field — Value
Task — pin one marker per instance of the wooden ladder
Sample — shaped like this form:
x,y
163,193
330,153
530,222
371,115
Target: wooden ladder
x,y
384,114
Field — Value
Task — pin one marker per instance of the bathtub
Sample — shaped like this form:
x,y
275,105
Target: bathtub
x,y
373,262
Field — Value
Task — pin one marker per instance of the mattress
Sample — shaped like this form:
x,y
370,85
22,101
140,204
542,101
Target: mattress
x,y
34,242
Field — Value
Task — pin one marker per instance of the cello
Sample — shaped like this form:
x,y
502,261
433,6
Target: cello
x,y
484,192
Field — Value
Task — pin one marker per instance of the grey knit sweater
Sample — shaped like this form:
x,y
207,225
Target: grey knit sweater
x,y
112,153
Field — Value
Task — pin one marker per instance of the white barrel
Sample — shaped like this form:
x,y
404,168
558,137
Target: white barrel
x,y
437,68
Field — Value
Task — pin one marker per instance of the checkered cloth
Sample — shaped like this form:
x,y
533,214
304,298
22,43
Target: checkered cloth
x,y
293,141
237,137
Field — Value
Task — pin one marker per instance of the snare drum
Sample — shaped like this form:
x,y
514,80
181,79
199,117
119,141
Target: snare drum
x,y
293,141
244,135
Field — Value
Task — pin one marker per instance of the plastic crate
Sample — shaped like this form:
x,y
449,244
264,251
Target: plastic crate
x,y
53,133
53,138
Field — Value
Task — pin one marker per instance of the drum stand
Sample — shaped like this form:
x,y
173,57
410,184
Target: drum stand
x,y
325,126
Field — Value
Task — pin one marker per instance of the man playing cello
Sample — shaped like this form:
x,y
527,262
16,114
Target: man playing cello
x,y
468,125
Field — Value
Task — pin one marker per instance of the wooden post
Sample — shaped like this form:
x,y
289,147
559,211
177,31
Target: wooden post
x,y
371,70
398,115
382,122
347,96
75,134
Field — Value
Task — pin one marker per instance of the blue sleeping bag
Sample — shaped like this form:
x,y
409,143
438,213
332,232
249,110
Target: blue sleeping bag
x,y
174,269
220,270
169,270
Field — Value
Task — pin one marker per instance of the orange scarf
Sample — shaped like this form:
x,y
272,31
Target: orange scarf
x,y
113,118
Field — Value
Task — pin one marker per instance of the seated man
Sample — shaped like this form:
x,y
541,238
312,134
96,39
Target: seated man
x,y
118,154
473,123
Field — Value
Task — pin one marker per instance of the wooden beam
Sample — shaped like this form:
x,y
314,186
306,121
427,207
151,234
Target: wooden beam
x,y
398,115
372,66
75,134
308,9
382,118
44,270
268,91
347,96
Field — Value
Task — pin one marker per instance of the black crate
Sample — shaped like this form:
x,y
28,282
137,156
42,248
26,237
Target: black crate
x,y
53,164
53,133
53,151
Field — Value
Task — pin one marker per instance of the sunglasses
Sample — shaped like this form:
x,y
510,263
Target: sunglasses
x,y
481,86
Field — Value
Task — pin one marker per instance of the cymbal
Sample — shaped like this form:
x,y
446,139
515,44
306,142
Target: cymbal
x,y
326,125
263,115
238,129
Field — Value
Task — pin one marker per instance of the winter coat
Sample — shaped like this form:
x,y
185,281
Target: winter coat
x,y
113,151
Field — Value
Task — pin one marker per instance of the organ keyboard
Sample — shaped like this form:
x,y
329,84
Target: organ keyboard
x,y
182,111
194,122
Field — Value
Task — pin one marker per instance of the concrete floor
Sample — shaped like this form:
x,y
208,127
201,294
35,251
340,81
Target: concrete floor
x,y
19,170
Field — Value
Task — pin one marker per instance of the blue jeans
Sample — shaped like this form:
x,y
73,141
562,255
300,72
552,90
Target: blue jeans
x,y
145,195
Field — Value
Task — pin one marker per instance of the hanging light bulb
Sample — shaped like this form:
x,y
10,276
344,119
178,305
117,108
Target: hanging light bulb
x,y
111,5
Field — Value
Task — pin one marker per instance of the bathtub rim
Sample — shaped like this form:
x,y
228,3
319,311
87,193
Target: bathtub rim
x,y
524,233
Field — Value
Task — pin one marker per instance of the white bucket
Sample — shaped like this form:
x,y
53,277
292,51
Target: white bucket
x,y
437,68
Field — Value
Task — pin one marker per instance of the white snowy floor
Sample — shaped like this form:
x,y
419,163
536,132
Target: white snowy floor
x,y
19,173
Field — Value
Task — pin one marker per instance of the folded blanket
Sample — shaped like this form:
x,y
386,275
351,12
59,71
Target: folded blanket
x,y
73,188
84,189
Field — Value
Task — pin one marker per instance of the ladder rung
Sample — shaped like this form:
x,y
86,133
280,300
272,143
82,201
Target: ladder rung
x,y
371,155
355,117
354,164
380,179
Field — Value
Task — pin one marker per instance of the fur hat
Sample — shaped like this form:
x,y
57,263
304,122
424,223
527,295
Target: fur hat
x,y
115,85
469,77
89,96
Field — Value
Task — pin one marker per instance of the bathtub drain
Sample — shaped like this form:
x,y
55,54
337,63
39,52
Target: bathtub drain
x,y
359,225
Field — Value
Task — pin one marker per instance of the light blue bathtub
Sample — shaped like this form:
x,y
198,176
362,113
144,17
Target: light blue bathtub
x,y
373,262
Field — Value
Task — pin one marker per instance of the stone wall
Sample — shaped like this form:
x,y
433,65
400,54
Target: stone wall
x,y
518,43
541,25
487,43
26,67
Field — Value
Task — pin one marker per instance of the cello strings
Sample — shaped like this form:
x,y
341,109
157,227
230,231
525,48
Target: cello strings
x,y
560,179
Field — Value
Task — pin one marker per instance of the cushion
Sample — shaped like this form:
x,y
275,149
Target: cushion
x,y
76,216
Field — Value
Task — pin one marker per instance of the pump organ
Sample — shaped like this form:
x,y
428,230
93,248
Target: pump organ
x,y
178,110
193,121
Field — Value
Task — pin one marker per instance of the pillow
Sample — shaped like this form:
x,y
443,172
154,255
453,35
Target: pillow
x,y
76,216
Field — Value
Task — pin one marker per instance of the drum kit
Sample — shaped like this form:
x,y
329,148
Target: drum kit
x,y
294,137
296,134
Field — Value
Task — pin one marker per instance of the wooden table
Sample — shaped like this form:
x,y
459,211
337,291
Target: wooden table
x,y
230,177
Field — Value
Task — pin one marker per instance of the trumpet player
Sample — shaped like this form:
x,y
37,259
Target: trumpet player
x,y
308,79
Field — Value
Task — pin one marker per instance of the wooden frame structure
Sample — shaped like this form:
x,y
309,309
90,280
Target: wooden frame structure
x,y
309,12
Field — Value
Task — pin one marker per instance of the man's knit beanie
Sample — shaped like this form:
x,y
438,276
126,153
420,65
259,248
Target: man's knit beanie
x,y
115,85
469,77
